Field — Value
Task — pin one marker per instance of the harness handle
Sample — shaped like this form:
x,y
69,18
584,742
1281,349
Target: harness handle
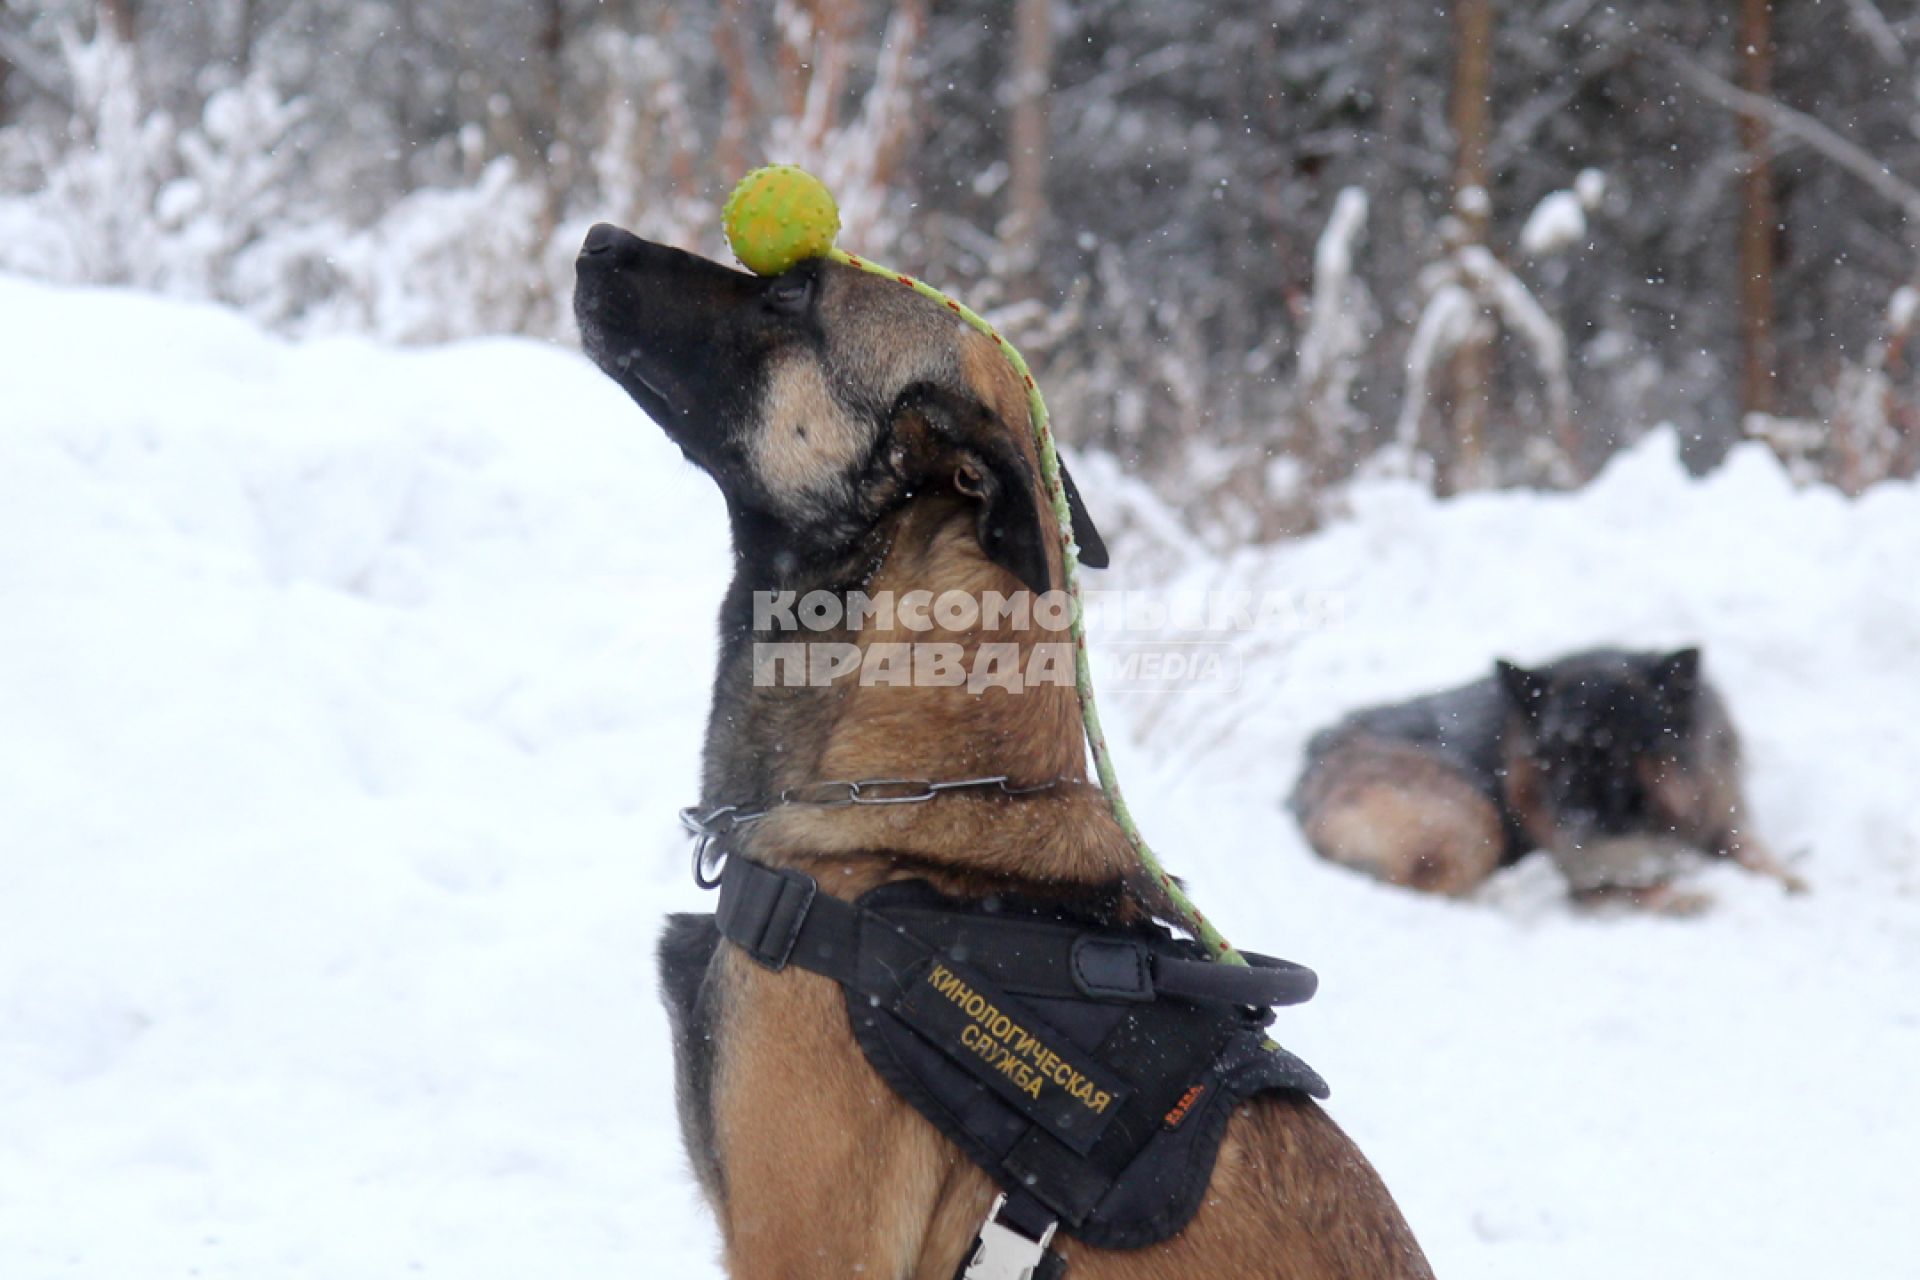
x,y
1263,982
1114,968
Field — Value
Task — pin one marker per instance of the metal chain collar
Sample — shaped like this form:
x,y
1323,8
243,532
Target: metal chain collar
x,y
710,825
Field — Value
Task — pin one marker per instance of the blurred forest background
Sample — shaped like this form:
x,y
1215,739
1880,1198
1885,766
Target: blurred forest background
x,y
1253,248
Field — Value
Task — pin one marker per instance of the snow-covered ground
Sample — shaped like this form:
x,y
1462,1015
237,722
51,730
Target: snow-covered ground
x,y
347,696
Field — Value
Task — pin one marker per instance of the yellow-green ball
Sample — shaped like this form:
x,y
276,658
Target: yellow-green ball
x,y
779,216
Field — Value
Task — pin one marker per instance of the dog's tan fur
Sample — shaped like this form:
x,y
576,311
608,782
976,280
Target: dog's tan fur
x,y
818,1168
1400,815
826,1168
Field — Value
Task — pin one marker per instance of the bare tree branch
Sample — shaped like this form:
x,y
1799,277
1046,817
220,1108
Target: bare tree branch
x,y
33,66
1879,33
1797,124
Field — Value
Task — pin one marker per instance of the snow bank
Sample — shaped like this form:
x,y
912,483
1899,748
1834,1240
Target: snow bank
x,y
1551,1093
347,695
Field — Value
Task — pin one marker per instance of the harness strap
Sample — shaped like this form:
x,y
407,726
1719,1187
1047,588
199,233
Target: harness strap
x,y
781,918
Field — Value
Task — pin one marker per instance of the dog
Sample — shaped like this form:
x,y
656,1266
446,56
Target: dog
x,y
866,440
1617,764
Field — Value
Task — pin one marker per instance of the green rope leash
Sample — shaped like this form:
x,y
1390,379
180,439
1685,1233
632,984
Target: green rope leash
x,y
782,215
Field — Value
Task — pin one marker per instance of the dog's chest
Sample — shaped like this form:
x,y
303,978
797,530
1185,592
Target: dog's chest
x,y
760,1058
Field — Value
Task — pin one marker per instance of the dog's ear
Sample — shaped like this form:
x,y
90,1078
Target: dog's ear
x,y
971,452
1677,676
1092,547
986,466
1013,531
1526,690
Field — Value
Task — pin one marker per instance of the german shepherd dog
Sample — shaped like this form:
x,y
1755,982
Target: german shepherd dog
x,y
864,438
1614,763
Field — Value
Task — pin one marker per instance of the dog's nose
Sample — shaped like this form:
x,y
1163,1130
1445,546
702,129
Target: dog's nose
x,y
603,238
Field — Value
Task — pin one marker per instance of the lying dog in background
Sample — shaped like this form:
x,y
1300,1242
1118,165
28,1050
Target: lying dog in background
x,y
1614,763
866,440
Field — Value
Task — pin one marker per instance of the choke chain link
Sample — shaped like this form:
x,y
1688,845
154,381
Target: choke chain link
x,y
709,825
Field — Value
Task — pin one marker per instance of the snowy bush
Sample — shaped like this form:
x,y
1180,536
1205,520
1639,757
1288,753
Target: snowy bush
x,y
233,190
446,263
239,203
1339,329
207,209
1470,290
1556,223
92,216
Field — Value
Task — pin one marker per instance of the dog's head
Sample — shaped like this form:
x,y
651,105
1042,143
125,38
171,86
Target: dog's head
x,y
1597,728
821,401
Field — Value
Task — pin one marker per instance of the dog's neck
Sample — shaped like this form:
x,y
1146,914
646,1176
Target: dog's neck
x,y
767,733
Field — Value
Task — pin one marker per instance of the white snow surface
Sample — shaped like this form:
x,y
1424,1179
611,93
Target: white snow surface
x,y
347,696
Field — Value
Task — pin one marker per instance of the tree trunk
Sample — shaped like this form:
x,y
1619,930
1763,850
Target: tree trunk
x,y
548,152
1027,144
730,41
670,110
834,23
1758,218
400,104
1472,127
906,30
794,22
116,18
246,30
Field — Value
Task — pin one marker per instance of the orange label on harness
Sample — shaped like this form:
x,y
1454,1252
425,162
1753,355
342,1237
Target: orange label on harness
x,y
1184,1106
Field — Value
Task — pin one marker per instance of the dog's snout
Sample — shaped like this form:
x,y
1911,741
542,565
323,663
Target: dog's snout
x,y
605,239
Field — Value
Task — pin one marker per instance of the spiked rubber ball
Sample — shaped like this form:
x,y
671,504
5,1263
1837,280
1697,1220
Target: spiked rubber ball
x,y
778,216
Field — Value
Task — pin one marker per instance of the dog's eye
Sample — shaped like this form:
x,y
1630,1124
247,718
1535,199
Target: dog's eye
x,y
789,293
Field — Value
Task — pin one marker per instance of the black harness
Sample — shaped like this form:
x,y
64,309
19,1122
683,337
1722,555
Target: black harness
x,y
1089,1068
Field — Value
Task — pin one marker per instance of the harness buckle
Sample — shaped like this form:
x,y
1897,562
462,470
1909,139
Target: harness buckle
x,y
1004,1252
763,910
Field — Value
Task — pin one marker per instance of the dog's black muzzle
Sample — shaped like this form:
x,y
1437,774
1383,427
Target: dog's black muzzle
x,y
605,238
673,329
